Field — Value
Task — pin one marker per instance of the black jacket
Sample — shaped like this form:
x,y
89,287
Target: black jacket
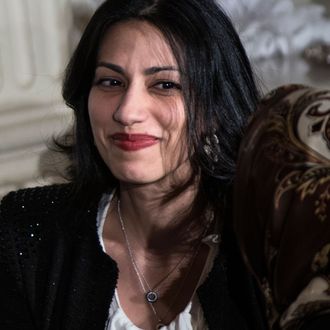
x,y
54,274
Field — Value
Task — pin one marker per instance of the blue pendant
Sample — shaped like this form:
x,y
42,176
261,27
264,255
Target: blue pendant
x,y
151,296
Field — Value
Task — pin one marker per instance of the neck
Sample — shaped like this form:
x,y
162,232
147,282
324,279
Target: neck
x,y
155,225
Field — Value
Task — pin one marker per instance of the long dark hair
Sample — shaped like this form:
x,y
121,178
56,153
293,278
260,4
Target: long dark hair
x,y
218,86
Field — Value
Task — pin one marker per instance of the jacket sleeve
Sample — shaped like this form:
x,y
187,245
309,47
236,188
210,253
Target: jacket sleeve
x,y
14,311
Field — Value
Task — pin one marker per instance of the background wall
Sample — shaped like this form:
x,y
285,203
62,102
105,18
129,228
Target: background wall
x,y
34,47
284,38
36,39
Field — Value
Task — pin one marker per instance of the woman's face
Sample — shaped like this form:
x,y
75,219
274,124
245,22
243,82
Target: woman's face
x,y
136,106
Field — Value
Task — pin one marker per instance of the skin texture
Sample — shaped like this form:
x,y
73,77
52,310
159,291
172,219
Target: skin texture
x,y
137,90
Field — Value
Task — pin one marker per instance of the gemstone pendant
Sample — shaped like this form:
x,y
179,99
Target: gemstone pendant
x,y
151,296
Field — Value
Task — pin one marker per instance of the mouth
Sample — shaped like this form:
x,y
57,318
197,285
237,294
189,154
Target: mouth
x,y
133,142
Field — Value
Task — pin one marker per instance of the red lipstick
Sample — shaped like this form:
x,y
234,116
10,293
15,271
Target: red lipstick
x,y
133,142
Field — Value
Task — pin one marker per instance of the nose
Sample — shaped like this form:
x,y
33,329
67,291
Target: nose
x,y
132,107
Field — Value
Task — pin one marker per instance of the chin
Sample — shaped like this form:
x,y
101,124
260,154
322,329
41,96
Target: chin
x,y
135,176
140,181
144,173
162,179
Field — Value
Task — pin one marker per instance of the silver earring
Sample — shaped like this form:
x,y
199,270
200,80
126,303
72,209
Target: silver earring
x,y
212,147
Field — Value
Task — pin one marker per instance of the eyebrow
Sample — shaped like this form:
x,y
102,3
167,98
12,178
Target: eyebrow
x,y
149,71
155,69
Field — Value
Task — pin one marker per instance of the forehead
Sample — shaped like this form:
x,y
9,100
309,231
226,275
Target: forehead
x,y
136,39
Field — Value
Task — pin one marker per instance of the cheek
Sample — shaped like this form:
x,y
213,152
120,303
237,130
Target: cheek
x,y
99,113
176,121
172,116
174,151
92,110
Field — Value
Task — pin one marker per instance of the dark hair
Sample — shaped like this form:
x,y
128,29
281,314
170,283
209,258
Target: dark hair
x,y
218,86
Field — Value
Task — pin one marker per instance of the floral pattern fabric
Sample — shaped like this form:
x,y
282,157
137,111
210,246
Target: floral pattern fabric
x,y
282,203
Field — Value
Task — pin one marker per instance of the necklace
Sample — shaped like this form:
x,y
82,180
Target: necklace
x,y
150,294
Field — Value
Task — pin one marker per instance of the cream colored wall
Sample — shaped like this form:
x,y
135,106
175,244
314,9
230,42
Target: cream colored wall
x,y
34,48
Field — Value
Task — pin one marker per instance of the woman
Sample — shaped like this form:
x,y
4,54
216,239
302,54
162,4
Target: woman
x,y
141,237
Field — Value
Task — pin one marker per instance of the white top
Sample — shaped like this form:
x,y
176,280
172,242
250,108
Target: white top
x,y
191,318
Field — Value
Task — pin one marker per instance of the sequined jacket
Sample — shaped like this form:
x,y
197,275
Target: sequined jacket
x,y
54,274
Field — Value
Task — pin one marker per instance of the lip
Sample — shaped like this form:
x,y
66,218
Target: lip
x,y
133,142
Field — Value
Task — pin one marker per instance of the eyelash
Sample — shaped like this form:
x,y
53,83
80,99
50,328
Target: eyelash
x,y
110,82
171,83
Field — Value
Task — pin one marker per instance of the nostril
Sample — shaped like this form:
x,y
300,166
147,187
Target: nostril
x,y
129,113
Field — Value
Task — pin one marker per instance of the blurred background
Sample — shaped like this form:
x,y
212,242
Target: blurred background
x,y
288,41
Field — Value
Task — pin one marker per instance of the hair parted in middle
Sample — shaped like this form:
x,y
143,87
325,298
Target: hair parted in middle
x,y
217,83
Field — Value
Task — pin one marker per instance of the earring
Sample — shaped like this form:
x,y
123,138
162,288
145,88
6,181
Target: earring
x,y
212,147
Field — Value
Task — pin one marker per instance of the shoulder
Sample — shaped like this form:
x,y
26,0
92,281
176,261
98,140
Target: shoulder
x,y
50,208
31,200
40,208
35,220
29,222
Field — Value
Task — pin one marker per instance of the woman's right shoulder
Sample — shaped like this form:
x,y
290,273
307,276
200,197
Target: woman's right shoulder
x,y
31,218
32,201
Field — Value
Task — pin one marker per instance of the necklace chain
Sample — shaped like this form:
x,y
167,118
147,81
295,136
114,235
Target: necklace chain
x,y
135,267
151,295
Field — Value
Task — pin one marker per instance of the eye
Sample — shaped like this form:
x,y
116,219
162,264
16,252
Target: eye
x,y
109,82
167,85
